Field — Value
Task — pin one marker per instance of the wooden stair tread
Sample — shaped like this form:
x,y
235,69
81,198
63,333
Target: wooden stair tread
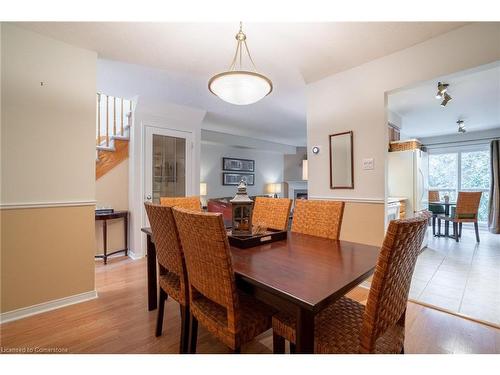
x,y
108,159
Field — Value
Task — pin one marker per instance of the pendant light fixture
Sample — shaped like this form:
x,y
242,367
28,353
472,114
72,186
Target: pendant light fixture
x,y
237,85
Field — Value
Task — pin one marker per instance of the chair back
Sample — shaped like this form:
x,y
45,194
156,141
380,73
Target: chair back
x,y
433,195
191,203
208,260
272,212
468,203
386,305
167,243
318,218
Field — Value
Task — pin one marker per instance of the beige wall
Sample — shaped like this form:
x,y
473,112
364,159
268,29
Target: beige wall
x,y
47,160
356,100
47,131
47,254
112,191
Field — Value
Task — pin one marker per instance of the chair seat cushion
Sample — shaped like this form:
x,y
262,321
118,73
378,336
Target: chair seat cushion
x,y
459,218
337,329
436,208
255,318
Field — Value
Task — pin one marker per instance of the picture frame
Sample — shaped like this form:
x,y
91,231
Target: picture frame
x,y
238,165
234,179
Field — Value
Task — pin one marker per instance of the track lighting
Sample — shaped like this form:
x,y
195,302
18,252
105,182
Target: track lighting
x,y
461,126
442,87
446,99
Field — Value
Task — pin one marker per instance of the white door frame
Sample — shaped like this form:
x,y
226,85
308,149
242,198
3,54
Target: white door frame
x,y
137,164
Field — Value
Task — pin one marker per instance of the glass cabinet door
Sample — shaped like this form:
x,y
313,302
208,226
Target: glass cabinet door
x,y
168,167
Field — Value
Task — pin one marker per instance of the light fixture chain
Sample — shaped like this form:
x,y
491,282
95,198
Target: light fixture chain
x,y
233,63
250,56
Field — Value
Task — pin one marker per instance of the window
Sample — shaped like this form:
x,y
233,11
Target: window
x,y
461,171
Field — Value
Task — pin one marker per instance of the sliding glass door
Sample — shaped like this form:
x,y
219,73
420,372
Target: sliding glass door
x,y
450,172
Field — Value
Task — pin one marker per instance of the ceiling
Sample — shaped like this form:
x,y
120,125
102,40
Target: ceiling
x,y
476,100
291,54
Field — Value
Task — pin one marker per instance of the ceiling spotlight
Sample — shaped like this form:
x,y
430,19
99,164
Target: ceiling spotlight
x,y
461,126
442,87
446,99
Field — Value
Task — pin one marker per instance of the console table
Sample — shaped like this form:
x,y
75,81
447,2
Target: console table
x,y
110,216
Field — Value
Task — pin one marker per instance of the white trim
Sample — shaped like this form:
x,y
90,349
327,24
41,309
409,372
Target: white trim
x,y
351,199
12,206
24,312
133,256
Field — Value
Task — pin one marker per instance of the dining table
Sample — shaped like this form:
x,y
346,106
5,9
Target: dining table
x,y
447,206
300,275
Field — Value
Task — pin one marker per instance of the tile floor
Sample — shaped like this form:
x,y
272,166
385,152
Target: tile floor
x,y
461,277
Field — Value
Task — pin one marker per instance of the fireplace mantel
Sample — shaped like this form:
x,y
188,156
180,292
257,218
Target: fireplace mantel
x,y
295,185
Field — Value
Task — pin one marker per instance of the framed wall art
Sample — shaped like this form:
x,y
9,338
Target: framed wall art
x,y
233,179
238,165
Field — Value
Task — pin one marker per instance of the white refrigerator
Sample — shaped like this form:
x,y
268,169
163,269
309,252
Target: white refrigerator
x,y
408,177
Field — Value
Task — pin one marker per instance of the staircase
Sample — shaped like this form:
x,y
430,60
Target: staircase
x,y
114,118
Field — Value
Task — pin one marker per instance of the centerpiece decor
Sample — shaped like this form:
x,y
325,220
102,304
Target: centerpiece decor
x,y
242,207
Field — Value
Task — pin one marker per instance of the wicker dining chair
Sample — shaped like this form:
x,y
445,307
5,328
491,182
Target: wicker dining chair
x,y
346,326
466,211
172,277
435,209
272,212
191,203
227,313
318,218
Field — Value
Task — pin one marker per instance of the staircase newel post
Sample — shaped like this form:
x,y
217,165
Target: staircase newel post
x,y
107,120
98,140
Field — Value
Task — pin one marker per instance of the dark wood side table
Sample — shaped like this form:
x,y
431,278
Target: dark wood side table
x,y
110,216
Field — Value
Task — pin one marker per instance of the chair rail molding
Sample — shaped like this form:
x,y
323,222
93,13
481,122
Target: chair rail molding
x,y
20,205
350,199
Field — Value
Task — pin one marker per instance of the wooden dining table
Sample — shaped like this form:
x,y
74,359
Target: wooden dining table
x,y
300,275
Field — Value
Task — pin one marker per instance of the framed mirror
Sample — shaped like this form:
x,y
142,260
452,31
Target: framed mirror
x,y
341,161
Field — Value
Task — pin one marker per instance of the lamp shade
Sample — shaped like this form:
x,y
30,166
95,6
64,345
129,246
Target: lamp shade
x,y
240,87
304,170
274,188
203,188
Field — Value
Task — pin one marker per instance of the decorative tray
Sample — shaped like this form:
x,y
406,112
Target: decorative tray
x,y
270,235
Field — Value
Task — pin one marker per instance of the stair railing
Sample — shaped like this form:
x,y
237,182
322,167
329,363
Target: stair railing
x,y
107,111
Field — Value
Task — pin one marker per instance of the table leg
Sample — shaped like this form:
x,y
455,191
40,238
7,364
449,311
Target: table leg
x,y
152,283
446,222
305,332
125,223
105,240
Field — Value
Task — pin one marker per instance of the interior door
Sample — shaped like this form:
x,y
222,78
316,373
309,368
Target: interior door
x,y
168,164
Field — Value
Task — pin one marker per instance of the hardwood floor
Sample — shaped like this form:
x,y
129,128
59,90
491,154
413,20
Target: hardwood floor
x,y
118,322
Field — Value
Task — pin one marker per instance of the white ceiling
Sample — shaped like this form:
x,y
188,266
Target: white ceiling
x,y
476,100
291,54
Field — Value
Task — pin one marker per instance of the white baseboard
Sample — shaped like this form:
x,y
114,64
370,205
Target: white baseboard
x,y
134,256
24,312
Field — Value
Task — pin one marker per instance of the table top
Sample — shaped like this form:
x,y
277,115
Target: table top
x,y
307,270
443,203
111,215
